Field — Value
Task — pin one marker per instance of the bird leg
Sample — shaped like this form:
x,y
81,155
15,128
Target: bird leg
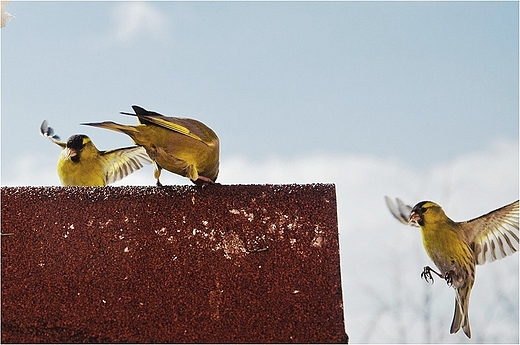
x,y
427,274
448,276
157,173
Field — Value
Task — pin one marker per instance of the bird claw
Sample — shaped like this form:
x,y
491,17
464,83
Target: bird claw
x,y
203,181
448,276
427,274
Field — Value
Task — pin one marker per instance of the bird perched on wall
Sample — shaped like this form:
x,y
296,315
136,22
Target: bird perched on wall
x,y
457,247
182,146
82,164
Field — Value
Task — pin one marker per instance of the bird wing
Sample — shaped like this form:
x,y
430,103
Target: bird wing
x,y
48,133
189,127
495,234
400,210
124,161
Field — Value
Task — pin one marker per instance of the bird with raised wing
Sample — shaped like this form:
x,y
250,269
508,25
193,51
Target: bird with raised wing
x,y
82,164
457,247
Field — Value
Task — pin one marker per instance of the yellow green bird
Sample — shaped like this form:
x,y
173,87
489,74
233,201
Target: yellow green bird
x,y
457,247
186,147
82,164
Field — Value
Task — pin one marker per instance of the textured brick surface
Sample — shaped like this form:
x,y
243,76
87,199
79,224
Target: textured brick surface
x,y
256,263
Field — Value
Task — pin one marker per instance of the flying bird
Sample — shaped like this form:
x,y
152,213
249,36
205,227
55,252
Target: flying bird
x,y
457,247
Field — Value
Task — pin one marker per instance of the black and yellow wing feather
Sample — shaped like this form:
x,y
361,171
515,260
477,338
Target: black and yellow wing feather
x,y
189,127
400,210
495,234
122,162
48,133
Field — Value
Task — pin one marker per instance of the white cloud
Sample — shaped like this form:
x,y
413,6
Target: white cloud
x,y
384,298
138,19
32,170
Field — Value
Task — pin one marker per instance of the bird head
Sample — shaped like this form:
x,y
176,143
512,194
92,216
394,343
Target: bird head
x,y
75,145
426,212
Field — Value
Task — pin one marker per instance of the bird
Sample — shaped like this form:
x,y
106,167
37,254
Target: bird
x,y
456,248
82,164
183,146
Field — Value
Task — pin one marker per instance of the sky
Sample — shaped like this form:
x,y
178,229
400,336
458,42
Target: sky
x,y
416,100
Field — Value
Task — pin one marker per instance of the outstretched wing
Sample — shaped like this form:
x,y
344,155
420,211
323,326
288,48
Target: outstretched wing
x,y
48,133
189,127
400,210
124,161
495,234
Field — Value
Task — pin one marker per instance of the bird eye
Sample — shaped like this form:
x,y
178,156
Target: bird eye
x,y
423,209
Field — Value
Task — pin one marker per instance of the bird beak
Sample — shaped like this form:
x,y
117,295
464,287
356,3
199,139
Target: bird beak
x,y
414,217
72,152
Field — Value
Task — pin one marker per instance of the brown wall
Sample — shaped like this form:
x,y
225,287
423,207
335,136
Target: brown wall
x,y
256,263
